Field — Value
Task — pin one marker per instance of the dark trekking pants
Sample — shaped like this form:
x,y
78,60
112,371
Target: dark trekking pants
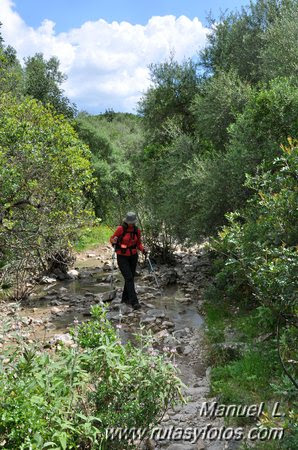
x,y
127,266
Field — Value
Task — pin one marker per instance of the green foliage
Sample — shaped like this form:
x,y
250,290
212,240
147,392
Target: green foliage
x,y
114,141
216,181
165,107
92,236
221,98
245,381
67,399
10,70
44,173
260,241
42,80
238,40
280,52
259,247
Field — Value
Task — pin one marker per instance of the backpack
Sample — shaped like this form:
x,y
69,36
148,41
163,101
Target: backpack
x,y
132,235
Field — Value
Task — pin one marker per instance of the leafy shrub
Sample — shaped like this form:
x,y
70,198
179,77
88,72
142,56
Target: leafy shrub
x,y
67,399
259,247
45,172
260,241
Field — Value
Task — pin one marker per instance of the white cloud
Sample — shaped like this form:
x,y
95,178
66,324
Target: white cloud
x,y
106,63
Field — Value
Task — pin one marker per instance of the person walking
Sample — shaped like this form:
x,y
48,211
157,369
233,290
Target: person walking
x,y
127,242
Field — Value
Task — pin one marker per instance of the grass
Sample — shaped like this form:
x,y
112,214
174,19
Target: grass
x,y
243,377
91,237
246,380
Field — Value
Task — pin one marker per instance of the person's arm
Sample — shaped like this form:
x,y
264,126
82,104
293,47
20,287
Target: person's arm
x,y
139,242
116,235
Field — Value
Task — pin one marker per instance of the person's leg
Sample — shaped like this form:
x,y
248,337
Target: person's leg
x,y
124,265
124,298
133,263
133,260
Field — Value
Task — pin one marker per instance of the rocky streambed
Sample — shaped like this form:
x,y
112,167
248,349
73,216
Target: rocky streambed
x,y
172,313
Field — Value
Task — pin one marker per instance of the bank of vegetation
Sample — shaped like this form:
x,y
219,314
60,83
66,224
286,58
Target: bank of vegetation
x,y
212,153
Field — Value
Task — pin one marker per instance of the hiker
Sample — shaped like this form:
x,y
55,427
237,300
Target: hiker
x,y
127,242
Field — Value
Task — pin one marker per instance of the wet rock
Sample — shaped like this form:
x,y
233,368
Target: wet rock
x,y
124,309
191,408
113,316
141,289
161,334
108,296
63,289
188,349
156,313
55,310
169,277
190,268
148,277
107,267
168,324
148,320
148,296
73,274
179,334
47,280
107,279
51,293
193,260
196,393
149,305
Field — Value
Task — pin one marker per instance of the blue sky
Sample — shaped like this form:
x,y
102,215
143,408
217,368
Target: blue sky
x,y
72,13
105,47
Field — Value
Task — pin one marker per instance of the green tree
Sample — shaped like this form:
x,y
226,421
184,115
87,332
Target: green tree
x,y
114,145
10,69
237,39
279,55
44,173
216,180
43,79
165,107
220,100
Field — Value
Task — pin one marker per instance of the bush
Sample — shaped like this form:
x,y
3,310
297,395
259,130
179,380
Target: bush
x,y
45,173
259,242
259,250
67,399
216,181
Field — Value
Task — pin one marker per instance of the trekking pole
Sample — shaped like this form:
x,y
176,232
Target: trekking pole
x,y
154,274
113,266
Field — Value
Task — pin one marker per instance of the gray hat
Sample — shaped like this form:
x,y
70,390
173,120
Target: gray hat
x,y
131,217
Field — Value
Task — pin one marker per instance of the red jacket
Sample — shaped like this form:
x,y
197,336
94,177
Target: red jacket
x,y
130,242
